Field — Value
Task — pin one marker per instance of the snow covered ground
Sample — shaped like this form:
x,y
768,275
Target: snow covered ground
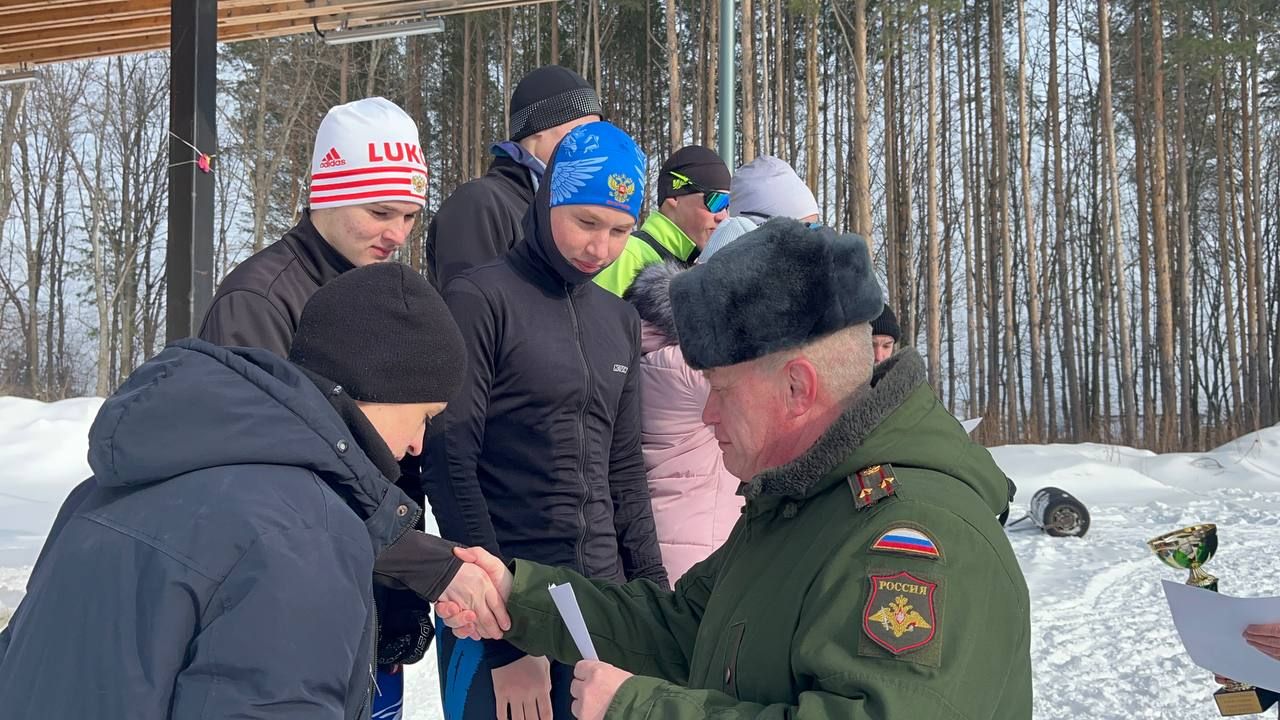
x,y
1103,645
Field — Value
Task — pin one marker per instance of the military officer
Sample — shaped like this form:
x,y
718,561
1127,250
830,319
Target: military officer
x,y
867,577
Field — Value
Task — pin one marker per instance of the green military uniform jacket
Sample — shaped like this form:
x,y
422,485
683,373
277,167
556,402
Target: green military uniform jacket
x,y
807,611
638,255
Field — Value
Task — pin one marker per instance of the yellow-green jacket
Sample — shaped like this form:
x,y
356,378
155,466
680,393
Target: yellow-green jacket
x,y
638,254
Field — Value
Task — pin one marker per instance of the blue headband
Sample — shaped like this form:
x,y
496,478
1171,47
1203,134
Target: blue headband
x,y
598,164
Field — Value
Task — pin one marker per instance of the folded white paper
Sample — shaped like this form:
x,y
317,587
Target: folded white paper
x,y
567,603
1211,626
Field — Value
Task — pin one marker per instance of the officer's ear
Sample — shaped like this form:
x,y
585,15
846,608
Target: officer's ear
x,y
801,377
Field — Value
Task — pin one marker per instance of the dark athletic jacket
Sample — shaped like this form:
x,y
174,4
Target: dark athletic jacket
x,y
481,220
260,302
538,456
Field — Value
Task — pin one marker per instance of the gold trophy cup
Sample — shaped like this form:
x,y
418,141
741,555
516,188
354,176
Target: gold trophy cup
x,y
1189,549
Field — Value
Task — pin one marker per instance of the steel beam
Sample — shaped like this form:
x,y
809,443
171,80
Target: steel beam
x,y
193,78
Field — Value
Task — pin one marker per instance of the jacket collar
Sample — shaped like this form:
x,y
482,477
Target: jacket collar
x,y
669,235
516,152
891,384
318,258
362,431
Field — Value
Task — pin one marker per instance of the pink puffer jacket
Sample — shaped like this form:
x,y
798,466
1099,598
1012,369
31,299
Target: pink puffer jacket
x,y
695,500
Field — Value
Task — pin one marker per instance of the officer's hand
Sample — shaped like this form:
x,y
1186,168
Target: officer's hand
x,y
1265,638
524,687
594,685
472,601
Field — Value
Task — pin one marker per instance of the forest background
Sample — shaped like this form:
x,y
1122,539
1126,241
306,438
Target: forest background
x,y
1073,204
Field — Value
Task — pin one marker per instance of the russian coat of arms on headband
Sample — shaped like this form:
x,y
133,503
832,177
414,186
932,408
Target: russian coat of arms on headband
x,y
420,184
622,187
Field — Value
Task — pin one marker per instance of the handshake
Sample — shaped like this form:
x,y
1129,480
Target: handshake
x,y
474,605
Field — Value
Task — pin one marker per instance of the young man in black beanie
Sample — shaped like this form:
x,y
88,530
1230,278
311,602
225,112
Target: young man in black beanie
x,y
885,334
482,218
221,560
693,199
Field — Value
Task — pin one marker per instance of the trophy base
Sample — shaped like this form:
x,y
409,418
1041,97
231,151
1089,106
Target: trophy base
x,y
1244,700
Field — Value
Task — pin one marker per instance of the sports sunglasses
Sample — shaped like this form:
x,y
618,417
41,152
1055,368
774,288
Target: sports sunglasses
x,y
714,200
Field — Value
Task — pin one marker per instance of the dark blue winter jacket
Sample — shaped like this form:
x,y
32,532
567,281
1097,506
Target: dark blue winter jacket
x,y
218,564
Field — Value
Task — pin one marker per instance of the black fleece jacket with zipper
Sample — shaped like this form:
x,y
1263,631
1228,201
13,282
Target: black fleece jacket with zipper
x,y
538,457
481,220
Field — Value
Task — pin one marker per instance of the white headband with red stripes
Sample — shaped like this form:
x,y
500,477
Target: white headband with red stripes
x,y
367,152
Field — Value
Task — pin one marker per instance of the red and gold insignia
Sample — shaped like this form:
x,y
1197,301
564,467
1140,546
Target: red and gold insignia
x,y
622,187
900,614
419,184
872,485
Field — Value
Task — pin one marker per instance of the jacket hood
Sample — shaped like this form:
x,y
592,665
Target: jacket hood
x,y
650,293
896,420
198,405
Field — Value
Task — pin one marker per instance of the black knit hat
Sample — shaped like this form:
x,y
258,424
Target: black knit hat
x,y
780,286
549,96
694,162
887,324
384,334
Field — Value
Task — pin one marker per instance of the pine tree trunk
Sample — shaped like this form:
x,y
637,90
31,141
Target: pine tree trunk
x,y
676,109
466,99
811,95
1147,347
1224,241
710,89
779,89
934,330
1159,217
890,156
966,204
1127,397
1033,267
906,267
862,120
981,202
555,30
1072,397
1188,410
414,102
1000,214
1266,411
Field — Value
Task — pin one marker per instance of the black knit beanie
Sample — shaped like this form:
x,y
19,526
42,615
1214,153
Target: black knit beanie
x,y
549,96
384,334
699,164
887,324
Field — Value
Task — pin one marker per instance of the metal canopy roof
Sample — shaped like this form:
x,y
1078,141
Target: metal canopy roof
x,y
36,32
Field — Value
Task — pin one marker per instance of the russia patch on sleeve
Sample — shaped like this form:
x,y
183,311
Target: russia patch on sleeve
x,y
905,540
900,615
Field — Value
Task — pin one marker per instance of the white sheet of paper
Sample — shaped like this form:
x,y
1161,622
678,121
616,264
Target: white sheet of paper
x,y
1212,627
971,424
567,603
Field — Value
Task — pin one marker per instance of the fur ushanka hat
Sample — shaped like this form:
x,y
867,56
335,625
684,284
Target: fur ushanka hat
x,y
778,287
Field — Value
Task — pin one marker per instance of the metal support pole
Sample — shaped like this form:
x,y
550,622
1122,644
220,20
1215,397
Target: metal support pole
x,y
728,111
193,77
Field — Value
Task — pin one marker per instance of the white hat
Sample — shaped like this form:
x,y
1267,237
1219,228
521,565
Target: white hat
x,y
366,152
767,187
726,232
